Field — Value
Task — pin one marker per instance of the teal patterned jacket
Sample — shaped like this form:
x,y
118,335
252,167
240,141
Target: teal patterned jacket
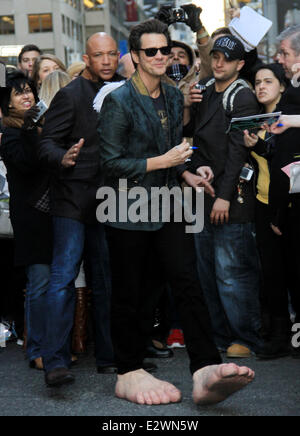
x,y
130,132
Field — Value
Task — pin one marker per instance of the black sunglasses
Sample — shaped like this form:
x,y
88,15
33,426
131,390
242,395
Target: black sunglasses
x,y
150,52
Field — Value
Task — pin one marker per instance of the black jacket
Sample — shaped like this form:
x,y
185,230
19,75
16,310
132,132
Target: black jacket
x,y
287,150
70,117
224,153
32,229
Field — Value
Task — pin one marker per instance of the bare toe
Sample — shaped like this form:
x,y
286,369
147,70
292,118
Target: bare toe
x,y
215,383
141,387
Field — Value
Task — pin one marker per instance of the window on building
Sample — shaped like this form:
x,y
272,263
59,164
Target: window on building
x,y
40,23
113,7
73,29
93,4
79,32
68,27
63,24
7,24
74,3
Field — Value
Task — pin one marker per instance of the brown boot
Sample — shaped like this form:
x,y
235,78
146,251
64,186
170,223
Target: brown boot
x,y
79,337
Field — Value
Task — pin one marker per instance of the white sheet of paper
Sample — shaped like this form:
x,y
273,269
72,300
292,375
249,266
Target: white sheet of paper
x,y
250,28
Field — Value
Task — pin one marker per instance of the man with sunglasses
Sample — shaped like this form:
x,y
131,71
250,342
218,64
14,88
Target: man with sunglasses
x,y
142,144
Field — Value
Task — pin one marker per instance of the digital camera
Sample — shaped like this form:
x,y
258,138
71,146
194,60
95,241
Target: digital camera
x,y
246,174
202,88
178,15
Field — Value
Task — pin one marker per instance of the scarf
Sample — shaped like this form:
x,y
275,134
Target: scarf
x,y
15,119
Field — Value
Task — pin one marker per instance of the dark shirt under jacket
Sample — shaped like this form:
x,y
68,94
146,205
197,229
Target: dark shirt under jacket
x,y
32,228
224,153
70,117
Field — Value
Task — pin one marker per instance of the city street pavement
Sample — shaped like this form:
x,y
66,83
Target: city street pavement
x,y
275,391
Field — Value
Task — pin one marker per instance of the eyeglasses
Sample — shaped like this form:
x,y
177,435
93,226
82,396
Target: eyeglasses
x,y
150,52
23,91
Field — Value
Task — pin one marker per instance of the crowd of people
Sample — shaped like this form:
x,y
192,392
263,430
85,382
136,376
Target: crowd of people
x,y
165,122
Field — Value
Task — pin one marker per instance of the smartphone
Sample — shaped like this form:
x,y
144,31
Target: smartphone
x,y
246,174
42,109
202,88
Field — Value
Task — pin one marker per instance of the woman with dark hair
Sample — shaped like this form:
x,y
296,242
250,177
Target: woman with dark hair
x,y
32,228
270,83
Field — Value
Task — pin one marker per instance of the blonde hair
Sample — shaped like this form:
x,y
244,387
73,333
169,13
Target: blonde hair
x,y
76,68
53,83
35,76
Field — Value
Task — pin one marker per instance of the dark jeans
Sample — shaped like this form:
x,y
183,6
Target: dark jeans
x,y
175,250
229,273
38,277
69,239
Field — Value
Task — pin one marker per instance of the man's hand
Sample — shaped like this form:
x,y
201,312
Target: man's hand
x,y
285,122
194,96
193,16
234,13
29,115
177,155
250,140
220,212
206,173
69,159
164,14
196,182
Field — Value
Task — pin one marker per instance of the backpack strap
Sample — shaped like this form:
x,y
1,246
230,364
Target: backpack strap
x,y
210,82
231,92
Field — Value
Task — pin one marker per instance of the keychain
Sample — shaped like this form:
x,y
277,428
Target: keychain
x,y
240,198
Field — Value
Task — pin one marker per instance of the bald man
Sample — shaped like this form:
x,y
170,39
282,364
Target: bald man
x,y
69,149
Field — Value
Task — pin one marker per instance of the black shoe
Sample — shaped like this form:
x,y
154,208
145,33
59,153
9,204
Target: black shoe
x,y
149,366
58,377
274,349
158,353
109,369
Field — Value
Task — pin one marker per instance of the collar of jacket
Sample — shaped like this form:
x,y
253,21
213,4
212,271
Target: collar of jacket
x,y
139,85
98,81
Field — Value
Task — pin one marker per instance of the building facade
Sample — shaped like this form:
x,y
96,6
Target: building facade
x,y
61,27
56,26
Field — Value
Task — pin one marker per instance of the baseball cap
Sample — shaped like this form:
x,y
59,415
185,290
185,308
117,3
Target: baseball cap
x,y
232,48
